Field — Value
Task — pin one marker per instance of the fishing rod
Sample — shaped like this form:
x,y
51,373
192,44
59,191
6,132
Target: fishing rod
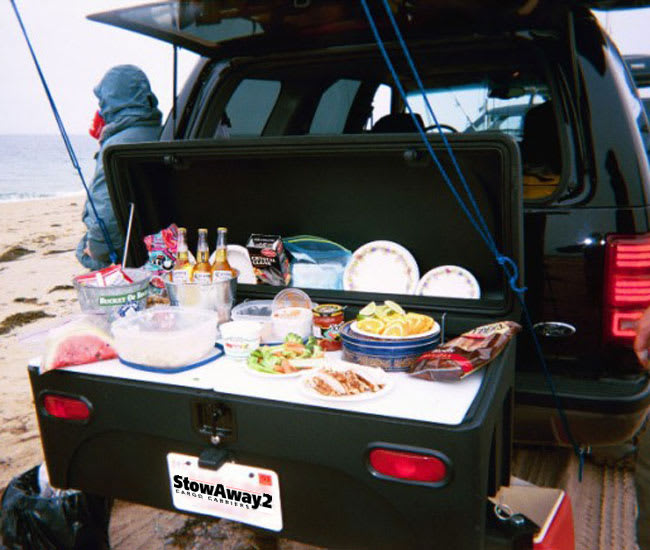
x,y
66,140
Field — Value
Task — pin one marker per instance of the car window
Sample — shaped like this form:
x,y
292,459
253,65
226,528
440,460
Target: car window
x,y
332,111
327,97
250,105
381,103
475,108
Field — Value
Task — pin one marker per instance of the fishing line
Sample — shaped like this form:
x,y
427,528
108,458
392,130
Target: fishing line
x,y
509,266
66,140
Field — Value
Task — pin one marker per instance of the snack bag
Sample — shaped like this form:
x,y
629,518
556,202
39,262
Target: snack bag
x,y
162,254
465,354
109,276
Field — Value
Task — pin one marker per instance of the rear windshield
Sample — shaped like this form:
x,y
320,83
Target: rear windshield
x,y
502,91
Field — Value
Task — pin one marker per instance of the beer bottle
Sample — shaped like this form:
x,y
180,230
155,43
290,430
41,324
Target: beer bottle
x,y
182,272
221,268
202,272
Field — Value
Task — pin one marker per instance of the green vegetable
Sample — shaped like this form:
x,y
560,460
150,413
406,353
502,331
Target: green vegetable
x,y
293,337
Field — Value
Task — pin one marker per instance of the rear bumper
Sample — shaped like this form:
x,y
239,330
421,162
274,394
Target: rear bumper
x,y
600,412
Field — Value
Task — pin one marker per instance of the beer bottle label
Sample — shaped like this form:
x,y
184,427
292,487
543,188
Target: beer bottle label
x,y
202,277
180,276
221,275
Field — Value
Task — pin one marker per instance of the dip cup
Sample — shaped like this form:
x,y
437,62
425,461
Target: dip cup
x,y
240,338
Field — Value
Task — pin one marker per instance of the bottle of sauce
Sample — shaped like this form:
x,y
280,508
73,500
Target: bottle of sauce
x,y
202,272
221,269
182,271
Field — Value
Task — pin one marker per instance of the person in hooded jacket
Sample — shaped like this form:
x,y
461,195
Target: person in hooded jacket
x,y
127,113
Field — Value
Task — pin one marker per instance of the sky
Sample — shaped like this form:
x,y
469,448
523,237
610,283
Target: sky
x,y
74,54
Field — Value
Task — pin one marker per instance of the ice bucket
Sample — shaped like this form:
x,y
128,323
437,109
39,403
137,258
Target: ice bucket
x,y
218,296
115,300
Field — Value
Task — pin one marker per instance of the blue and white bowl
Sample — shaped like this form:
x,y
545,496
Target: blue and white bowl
x,y
396,355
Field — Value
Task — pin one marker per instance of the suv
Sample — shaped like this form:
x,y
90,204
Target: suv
x,y
280,71
291,123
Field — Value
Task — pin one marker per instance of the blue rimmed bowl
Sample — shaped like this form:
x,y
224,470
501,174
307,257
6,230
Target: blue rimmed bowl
x,y
393,355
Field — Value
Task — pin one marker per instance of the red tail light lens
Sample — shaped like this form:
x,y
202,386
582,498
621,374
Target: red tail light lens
x,y
67,408
403,465
627,285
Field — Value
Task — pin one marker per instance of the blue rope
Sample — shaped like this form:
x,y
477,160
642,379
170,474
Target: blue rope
x,y
66,140
452,156
507,264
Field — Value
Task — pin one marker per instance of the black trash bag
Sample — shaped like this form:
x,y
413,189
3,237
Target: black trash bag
x,y
28,521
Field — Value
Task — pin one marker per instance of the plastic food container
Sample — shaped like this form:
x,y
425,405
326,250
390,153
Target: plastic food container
x,y
165,337
291,297
116,300
253,310
240,338
390,355
292,319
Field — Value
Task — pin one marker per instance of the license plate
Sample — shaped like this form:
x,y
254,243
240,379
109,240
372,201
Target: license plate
x,y
241,493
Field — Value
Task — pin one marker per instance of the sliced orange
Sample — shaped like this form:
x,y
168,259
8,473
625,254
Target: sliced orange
x,y
395,329
371,325
417,323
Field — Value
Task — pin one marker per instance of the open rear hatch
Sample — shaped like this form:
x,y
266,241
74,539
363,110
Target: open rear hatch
x,y
351,190
244,27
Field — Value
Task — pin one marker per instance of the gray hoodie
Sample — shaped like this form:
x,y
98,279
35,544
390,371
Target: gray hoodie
x,y
130,111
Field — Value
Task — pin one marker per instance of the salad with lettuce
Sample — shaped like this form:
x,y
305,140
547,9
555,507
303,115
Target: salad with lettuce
x,y
287,358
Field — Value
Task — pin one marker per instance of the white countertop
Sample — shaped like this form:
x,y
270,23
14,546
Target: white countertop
x,y
410,398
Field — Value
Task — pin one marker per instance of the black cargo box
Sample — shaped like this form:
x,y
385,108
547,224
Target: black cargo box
x,y
350,190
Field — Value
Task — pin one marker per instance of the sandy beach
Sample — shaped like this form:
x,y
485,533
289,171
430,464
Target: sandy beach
x,y
37,263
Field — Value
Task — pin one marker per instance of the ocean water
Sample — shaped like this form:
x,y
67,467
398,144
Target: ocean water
x,y
38,166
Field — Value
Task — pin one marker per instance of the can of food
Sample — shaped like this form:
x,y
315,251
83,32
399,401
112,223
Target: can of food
x,y
328,319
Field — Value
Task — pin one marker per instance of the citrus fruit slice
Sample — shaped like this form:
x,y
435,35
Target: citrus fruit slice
x,y
394,307
371,325
395,329
368,311
417,323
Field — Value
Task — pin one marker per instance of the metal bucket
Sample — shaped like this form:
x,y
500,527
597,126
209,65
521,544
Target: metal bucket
x,y
217,296
115,300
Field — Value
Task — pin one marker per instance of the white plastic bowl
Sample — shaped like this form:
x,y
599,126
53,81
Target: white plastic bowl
x,y
165,337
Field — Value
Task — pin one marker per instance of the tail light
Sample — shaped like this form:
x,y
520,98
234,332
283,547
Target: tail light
x,y
627,285
419,467
65,407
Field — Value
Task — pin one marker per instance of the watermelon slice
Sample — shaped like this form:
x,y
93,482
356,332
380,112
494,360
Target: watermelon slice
x,y
77,344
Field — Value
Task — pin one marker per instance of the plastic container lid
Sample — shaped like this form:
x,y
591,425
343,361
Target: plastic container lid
x,y
292,297
253,310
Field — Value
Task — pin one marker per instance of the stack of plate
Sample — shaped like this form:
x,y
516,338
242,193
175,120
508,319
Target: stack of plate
x,y
389,353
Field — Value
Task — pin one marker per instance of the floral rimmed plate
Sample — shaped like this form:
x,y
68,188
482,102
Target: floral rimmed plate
x,y
449,281
382,266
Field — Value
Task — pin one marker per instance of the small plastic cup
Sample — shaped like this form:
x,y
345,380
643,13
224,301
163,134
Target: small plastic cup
x,y
240,338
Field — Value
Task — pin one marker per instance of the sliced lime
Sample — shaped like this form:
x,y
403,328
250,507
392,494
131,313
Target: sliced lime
x,y
369,310
394,307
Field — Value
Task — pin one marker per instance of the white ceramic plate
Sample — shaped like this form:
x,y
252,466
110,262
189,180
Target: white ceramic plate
x,y
382,266
239,259
377,376
316,363
449,281
434,330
